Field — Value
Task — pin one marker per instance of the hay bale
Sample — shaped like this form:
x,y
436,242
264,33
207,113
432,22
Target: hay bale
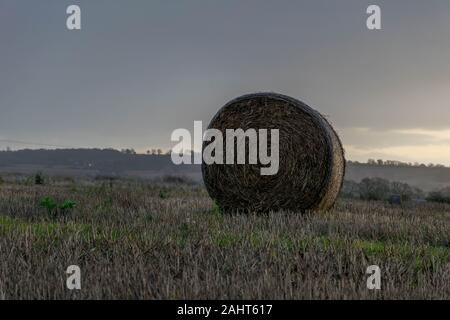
x,y
311,158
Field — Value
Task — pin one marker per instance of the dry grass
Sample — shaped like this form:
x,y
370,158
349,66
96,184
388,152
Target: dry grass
x,y
164,241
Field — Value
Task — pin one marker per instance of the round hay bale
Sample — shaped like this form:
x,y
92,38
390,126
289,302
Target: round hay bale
x,y
311,158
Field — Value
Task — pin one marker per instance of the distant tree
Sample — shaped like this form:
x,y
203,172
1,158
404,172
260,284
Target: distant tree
x,y
38,179
160,152
128,151
441,196
380,189
404,190
418,193
380,162
374,189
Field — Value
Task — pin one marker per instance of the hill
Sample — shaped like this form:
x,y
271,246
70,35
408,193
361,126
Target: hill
x,y
91,162
110,162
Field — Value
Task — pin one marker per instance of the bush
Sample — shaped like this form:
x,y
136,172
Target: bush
x,y
441,196
380,189
52,207
39,179
164,193
68,204
49,204
403,190
374,189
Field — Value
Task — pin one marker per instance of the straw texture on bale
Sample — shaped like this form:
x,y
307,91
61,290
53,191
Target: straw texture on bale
x,y
311,158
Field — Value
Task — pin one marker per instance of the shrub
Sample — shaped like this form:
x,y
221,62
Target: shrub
x,y
68,204
441,196
39,179
164,193
403,190
374,189
52,207
380,189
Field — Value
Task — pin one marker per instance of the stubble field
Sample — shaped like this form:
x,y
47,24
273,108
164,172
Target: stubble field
x,y
167,240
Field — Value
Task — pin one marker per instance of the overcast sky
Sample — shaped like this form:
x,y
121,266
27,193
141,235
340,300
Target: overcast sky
x,y
140,69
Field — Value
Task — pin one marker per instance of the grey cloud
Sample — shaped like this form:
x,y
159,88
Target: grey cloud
x,y
139,70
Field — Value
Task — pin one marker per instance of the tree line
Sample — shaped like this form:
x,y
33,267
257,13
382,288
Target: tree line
x,y
396,163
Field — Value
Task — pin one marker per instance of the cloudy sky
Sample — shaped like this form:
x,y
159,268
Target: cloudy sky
x,y
139,69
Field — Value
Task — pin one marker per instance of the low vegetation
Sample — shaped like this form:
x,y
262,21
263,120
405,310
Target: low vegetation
x,y
441,196
380,189
168,240
54,209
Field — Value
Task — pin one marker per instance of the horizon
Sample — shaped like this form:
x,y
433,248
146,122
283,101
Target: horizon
x,y
154,152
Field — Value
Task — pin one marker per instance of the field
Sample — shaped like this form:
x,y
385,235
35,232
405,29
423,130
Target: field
x,y
167,240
